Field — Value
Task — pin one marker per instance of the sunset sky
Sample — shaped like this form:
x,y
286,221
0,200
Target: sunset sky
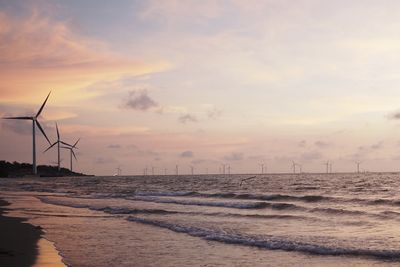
x,y
159,83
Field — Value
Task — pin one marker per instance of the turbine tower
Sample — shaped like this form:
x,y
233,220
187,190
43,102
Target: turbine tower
x,y
300,167
262,167
58,142
293,166
35,123
119,171
229,169
71,150
358,166
176,170
223,168
191,169
327,166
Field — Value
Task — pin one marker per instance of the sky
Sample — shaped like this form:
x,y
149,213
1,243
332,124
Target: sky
x,y
203,83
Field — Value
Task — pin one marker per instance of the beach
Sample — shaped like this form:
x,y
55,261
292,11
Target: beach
x,y
21,244
18,240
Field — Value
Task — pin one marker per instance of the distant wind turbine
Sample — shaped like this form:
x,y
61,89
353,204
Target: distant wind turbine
x,y
58,142
294,166
229,169
223,168
358,166
35,123
192,170
119,171
300,167
327,166
262,167
176,170
72,153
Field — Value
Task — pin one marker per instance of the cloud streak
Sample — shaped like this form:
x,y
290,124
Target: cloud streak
x,y
187,118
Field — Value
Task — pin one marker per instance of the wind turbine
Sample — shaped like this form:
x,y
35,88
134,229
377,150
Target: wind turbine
x,y
119,171
293,166
71,150
176,170
327,166
223,168
35,122
262,167
300,167
229,169
58,142
191,169
358,166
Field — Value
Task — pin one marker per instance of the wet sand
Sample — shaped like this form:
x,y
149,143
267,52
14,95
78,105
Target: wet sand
x,y
18,240
21,243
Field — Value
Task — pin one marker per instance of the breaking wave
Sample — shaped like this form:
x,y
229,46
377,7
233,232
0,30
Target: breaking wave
x,y
269,242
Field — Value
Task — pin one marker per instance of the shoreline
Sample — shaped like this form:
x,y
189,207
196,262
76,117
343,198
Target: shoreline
x,y
22,244
18,240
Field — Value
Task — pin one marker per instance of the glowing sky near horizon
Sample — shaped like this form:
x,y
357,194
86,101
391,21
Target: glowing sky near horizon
x,y
159,83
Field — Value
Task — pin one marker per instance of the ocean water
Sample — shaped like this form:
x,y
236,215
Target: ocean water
x,y
216,220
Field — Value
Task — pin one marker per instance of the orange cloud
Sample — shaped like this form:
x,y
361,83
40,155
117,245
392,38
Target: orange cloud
x,y
38,54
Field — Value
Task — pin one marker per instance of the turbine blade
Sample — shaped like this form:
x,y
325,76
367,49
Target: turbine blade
x,y
76,143
58,133
41,129
50,147
18,118
44,103
73,153
62,142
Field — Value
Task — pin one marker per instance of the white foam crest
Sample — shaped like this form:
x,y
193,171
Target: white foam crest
x,y
269,242
164,194
236,205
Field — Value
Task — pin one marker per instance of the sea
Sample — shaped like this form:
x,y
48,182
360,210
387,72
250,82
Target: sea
x,y
338,219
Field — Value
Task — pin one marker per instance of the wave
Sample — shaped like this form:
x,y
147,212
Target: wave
x,y
380,201
271,197
269,242
339,211
236,205
131,211
116,210
165,194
